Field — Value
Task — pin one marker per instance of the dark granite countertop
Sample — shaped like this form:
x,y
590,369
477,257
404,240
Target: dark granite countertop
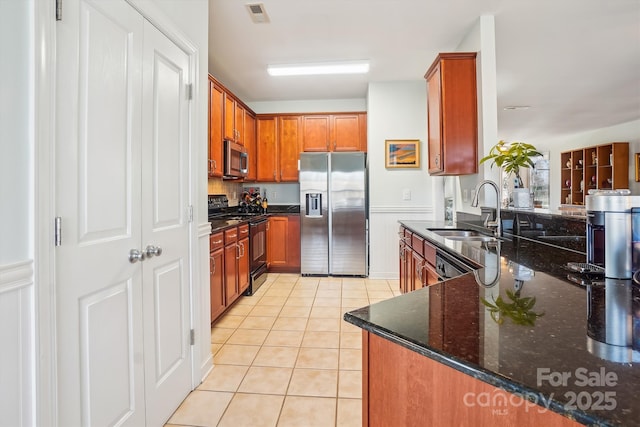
x,y
449,323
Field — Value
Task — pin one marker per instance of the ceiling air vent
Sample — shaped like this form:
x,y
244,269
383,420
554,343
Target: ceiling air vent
x,y
257,13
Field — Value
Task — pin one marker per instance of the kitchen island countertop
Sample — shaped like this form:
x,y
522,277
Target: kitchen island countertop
x,y
600,381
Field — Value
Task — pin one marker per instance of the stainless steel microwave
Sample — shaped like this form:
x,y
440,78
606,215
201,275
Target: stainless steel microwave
x,y
236,160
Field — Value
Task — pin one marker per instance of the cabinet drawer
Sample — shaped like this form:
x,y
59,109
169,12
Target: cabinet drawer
x,y
243,231
230,235
216,241
430,253
417,244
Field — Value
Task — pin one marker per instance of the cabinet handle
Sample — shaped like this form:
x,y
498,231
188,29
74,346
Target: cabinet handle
x,y
217,242
334,145
242,248
280,175
210,165
237,251
274,175
215,165
213,265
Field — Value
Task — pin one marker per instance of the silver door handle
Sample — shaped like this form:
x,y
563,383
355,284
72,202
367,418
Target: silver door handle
x,y
136,255
151,251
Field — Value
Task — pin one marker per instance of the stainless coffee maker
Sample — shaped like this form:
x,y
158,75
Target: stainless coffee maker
x,y
613,232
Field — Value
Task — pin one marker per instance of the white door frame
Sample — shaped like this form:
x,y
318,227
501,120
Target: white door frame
x,y
44,65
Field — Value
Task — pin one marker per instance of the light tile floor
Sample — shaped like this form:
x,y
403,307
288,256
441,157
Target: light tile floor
x,y
284,356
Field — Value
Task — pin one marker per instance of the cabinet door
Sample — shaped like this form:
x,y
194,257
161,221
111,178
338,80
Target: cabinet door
x,y
231,255
276,241
404,255
293,242
250,144
216,271
453,114
345,132
239,117
229,117
243,265
417,271
434,117
216,107
288,147
405,265
267,148
231,252
315,133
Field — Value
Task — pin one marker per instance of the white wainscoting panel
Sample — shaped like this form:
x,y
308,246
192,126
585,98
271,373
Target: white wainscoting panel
x,y
383,236
17,335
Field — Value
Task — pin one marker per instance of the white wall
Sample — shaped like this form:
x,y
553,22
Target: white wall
x,y
625,132
302,106
481,39
17,288
396,110
16,130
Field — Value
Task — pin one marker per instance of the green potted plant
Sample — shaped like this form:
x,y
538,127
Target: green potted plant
x,y
511,156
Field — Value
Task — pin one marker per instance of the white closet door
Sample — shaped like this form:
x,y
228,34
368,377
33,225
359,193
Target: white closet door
x,y
165,224
122,144
98,146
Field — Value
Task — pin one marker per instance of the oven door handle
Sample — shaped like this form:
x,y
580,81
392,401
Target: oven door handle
x,y
262,221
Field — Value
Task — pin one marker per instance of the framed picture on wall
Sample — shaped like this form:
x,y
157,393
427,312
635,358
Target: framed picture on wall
x,y
402,153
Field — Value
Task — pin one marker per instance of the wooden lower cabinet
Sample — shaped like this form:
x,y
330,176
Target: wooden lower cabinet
x,y
231,255
283,244
229,267
243,265
403,388
216,274
417,262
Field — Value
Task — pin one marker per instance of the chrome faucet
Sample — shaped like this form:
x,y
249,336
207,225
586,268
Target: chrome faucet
x,y
496,225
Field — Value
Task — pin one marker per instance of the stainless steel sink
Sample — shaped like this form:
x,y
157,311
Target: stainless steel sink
x,y
454,232
480,238
461,234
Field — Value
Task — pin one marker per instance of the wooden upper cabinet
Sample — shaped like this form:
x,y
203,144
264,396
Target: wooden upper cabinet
x,y
288,147
239,123
315,133
250,144
234,119
216,107
345,132
229,117
452,114
334,132
267,152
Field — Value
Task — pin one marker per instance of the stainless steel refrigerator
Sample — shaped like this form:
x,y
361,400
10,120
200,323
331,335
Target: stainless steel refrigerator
x,y
333,214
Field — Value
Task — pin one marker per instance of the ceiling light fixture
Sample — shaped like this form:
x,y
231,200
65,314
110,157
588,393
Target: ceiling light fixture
x,y
351,67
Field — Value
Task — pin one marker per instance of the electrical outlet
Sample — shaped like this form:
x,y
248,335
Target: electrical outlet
x,y
275,195
465,195
406,194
